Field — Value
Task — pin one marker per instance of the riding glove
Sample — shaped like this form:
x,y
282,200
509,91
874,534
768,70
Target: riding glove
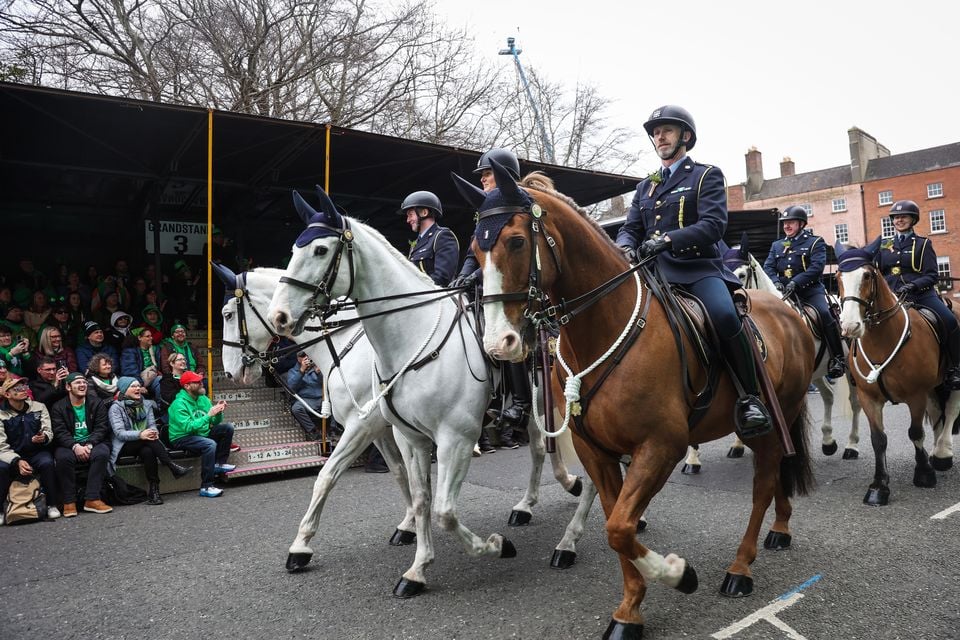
x,y
653,246
789,289
466,280
909,288
629,254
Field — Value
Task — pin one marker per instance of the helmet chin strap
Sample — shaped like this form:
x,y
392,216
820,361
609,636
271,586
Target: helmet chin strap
x,y
674,155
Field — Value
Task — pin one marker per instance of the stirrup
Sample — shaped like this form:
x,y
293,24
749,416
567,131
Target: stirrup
x,y
836,367
755,425
951,378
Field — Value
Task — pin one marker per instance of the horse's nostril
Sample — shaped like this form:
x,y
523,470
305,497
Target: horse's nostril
x,y
281,319
228,375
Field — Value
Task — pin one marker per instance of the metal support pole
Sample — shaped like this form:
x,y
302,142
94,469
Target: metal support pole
x,y
512,50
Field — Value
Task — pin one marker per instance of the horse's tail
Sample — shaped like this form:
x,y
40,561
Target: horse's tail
x,y
796,474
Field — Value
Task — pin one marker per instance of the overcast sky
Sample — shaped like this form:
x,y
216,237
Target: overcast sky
x,y
789,78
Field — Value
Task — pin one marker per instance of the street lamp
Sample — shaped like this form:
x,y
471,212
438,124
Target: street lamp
x,y
512,50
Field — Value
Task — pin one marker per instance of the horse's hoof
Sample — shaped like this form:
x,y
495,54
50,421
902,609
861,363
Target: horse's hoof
x,y
408,588
507,550
941,464
298,561
688,581
623,631
777,541
735,452
690,469
736,586
877,496
829,449
924,479
577,488
850,454
402,538
563,559
519,518
641,525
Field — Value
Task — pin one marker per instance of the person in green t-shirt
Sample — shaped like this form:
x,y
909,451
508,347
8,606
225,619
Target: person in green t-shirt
x,y
197,425
82,434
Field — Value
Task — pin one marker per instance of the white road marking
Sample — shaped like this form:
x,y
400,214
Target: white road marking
x,y
946,512
768,613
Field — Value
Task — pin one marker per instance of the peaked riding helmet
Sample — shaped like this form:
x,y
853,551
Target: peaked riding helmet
x,y
505,157
906,208
672,114
422,200
795,212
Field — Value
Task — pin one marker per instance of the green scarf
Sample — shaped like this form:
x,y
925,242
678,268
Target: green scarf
x,y
185,351
137,413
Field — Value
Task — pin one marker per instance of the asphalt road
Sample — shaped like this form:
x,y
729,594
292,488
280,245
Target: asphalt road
x,y
202,568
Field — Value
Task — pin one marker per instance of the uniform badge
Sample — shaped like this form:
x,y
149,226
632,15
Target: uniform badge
x,y
895,270
788,273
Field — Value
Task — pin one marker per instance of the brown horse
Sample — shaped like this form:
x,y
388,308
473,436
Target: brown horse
x,y
641,408
895,358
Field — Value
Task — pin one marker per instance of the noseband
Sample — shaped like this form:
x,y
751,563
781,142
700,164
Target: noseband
x,y
249,355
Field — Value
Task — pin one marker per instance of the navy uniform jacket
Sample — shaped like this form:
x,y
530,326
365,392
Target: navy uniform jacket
x,y
799,260
437,253
690,207
909,260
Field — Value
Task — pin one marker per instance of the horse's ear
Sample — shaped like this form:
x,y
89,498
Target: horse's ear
x,y
472,194
839,248
226,276
326,205
505,183
304,210
744,245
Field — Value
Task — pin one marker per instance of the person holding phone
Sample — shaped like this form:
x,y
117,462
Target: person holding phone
x,y
14,352
50,386
197,426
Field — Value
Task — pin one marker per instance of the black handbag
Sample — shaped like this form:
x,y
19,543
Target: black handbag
x,y
116,491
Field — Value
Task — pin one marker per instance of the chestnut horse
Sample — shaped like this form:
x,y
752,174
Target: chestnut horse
x,y
895,359
552,248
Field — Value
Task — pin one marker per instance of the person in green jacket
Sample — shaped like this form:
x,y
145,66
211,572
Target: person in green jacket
x,y
197,426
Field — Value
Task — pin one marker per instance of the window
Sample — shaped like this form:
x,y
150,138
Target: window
x,y
840,231
808,208
839,204
886,197
938,221
935,190
886,227
943,270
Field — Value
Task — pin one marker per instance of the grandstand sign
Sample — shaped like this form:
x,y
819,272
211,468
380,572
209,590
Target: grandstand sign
x,y
178,238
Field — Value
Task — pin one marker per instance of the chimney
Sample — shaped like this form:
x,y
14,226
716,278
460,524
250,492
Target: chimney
x,y
754,172
863,148
787,168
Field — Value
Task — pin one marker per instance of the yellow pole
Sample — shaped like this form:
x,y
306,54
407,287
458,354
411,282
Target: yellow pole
x,y
210,252
326,163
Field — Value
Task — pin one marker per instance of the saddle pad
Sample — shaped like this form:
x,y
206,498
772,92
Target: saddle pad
x,y
931,319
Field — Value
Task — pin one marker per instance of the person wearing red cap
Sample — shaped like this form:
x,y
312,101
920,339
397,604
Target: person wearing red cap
x,y
197,426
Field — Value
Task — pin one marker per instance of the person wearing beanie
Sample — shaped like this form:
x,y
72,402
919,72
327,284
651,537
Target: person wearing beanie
x,y
197,426
93,344
135,433
153,322
177,343
81,433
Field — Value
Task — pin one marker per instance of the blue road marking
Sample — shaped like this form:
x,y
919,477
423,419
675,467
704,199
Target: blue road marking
x,y
803,586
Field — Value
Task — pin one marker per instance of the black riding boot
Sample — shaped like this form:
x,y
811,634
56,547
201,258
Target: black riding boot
x,y
153,494
836,367
518,414
750,416
484,442
952,376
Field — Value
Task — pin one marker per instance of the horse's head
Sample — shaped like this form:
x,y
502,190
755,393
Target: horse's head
x,y
510,243
862,291
740,262
246,334
314,275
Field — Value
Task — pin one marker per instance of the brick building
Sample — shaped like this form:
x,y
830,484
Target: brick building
x,y
850,203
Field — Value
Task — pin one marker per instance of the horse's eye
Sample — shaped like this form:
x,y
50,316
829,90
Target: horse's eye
x,y
228,315
319,251
516,242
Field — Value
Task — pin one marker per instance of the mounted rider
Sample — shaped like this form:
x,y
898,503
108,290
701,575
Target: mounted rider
x,y
436,250
795,264
680,213
513,419
909,265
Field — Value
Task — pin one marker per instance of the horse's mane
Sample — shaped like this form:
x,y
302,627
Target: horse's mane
x,y
402,259
539,181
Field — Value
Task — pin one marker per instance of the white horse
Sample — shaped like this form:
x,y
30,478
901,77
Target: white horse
x,y
430,376
244,324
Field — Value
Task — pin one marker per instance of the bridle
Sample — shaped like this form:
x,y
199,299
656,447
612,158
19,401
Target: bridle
x,y
873,317
324,287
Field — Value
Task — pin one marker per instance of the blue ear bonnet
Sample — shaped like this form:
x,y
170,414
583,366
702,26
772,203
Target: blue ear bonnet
x,y
318,227
734,259
853,259
494,214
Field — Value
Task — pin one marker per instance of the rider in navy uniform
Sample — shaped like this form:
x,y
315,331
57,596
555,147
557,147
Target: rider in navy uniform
x,y
909,265
513,419
680,213
795,264
437,250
